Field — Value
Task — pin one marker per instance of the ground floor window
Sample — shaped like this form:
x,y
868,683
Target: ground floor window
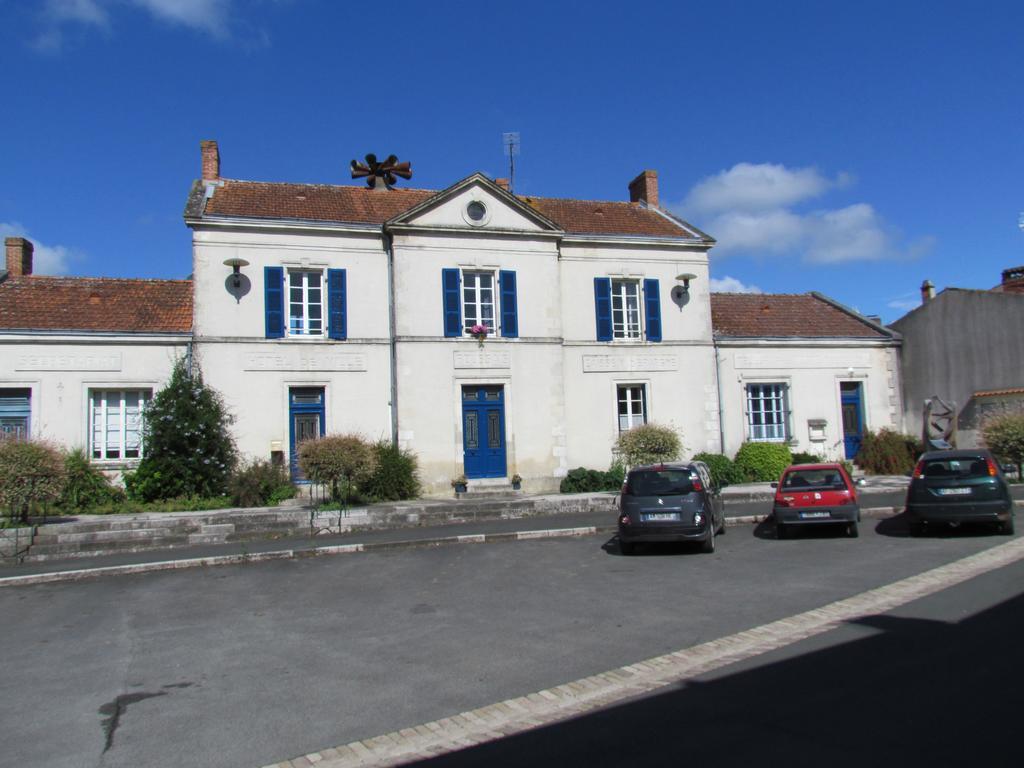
x,y
632,406
767,412
14,413
115,422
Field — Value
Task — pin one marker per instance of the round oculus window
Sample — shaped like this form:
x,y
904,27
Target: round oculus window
x,y
476,211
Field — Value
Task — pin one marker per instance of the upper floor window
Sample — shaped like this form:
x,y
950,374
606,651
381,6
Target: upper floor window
x,y
478,300
480,297
627,309
767,412
305,303
115,422
632,406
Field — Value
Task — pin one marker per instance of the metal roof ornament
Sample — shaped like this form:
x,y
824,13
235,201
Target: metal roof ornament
x,y
381,175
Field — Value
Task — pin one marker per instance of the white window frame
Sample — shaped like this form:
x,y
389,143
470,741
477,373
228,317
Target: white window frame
x,y
767,398
636,409
303,332
472,298
627,323
100,439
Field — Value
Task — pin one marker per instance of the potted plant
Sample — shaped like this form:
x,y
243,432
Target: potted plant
x,y
459,484
478,332
517,481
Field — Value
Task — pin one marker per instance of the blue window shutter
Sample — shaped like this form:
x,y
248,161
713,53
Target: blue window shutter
x,y
603,307
337,304
509,310
652,310
452,305
273,301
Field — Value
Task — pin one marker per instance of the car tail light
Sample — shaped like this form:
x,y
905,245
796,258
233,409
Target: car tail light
x,y
782,501
697,485
624,520
919,470
993,470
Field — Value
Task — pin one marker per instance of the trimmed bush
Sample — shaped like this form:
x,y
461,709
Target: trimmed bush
x,y
31,472
802,457
397,474
648,444
189,450
342,462
887,452
582,480
260,484
1004,436
86,485
762,462
723,470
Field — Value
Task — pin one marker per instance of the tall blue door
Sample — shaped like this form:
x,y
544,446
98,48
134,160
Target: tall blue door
x,y
853,417
305,421
483,431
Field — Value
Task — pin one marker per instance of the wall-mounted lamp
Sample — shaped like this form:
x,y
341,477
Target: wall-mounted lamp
x,y
680,292
236,265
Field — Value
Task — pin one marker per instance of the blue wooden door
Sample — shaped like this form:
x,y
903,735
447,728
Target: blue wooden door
x,y
483,431
853,417
305,421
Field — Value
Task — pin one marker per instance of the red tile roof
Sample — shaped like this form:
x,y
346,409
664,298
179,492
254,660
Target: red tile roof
x,y
805,315
95,304
361,205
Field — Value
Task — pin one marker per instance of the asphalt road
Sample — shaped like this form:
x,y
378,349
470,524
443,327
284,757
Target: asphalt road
x,y
244,666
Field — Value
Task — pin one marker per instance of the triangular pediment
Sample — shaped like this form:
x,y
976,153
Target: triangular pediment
x,y
475,203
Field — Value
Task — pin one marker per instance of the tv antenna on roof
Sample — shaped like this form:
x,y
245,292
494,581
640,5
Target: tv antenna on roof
x,y
511,142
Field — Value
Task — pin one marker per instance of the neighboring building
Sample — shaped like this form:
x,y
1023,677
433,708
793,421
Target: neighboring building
x,y
964,345
805,370
319,309
82,355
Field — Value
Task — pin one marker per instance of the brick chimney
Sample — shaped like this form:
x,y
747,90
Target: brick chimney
x,y
211,160
644,188
503,183
19,256
927,291
1013,280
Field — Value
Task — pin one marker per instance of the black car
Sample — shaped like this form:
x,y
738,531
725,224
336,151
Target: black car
x,y
954,487
670,502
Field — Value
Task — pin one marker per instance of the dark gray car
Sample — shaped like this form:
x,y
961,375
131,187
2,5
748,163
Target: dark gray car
x,y
670,502
954,487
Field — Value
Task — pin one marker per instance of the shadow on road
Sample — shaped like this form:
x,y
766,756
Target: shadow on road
x,y
898,526
916,693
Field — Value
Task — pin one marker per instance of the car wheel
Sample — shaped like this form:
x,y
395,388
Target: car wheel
x,y
781,532
721,528
625,548
708,545
1006,528
852,531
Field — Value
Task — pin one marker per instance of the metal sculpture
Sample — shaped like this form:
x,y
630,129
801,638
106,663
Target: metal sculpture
x,y
381,175
939,432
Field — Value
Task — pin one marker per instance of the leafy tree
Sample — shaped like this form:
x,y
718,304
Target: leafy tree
x,y
31,472
1004,435
649,444
189,450
344,462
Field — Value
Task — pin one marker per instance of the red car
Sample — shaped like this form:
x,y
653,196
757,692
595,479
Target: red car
x,y
815,494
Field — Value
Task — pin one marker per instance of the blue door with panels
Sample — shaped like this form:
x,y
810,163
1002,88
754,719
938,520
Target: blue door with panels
x,y
483,431
853,417
305,421
15,407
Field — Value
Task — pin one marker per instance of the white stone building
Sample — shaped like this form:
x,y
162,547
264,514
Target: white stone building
x,y
323,309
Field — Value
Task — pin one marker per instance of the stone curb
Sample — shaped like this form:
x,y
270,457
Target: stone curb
x,y
346,549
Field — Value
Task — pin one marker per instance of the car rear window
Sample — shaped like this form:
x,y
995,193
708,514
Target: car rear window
x,y
659,482
964,466
829,479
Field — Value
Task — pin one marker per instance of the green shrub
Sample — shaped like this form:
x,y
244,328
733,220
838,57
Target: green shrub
x,y
802,457
396,476
888,453
127,506
582,480
345,463
86,485
189,450
762,462
31,472
1004,436
723,470
259,483
648,444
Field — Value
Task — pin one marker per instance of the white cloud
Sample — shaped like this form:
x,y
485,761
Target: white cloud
x,y
905,301
751,208
206,15
732,285
46,259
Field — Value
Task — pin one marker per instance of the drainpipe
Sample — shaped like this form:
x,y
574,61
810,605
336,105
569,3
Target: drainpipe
x,y
389,246
718,387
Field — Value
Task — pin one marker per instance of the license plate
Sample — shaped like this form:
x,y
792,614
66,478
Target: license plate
x,y
659,516
806,515
954,491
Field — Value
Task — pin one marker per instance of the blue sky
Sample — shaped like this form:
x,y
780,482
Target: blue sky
x,y
851,148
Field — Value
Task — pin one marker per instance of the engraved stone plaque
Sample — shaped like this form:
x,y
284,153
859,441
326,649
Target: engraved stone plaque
x,y
70,362
300,361
629,363
483,359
